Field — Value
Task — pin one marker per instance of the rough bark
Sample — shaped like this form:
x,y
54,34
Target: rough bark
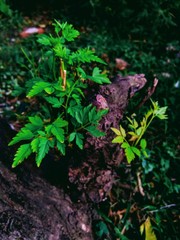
x,y
31,208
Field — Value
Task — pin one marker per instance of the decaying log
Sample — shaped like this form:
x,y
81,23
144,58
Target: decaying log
x,y
31,208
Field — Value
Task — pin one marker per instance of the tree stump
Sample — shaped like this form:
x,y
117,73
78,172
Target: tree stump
x,y
31,208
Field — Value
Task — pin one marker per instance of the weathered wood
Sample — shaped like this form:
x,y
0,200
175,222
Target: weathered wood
x,y
31,208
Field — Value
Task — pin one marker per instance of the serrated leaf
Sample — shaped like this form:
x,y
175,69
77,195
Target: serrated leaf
x,y
118,139
58,133
61,51
84,55
73,108
79,140
69,33
44,40
49,90
129,154
59,123
160,113
98,77
92,115
116,131
76,98
94,131
81,72
61,147
78,116
38,88
22,153
35,145
24,134
100,114
125,145
36,120
143,143
56,103
43,149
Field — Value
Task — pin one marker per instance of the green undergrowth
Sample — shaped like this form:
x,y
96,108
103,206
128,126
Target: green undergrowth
x,y
144,199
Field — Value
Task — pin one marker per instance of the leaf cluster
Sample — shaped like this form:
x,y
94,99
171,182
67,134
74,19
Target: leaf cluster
x,y
132,141
57,86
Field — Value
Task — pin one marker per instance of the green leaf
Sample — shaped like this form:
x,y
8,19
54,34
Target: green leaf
x,y
56,128
79,117
76,98
4,8
59,123
135,123
56,103
98,77
128,152
79,140
103,229
61,51
116,131
35,124
69,33
58,133
43,149
72,136
118,139
122,131
36,120
35,144
73,108
24,134
94,131
38,88
136,151
160,113
143,143
84,55
92,115
145,153
125,145
49,90
61,147
22,153
139,131
44,40
81,73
